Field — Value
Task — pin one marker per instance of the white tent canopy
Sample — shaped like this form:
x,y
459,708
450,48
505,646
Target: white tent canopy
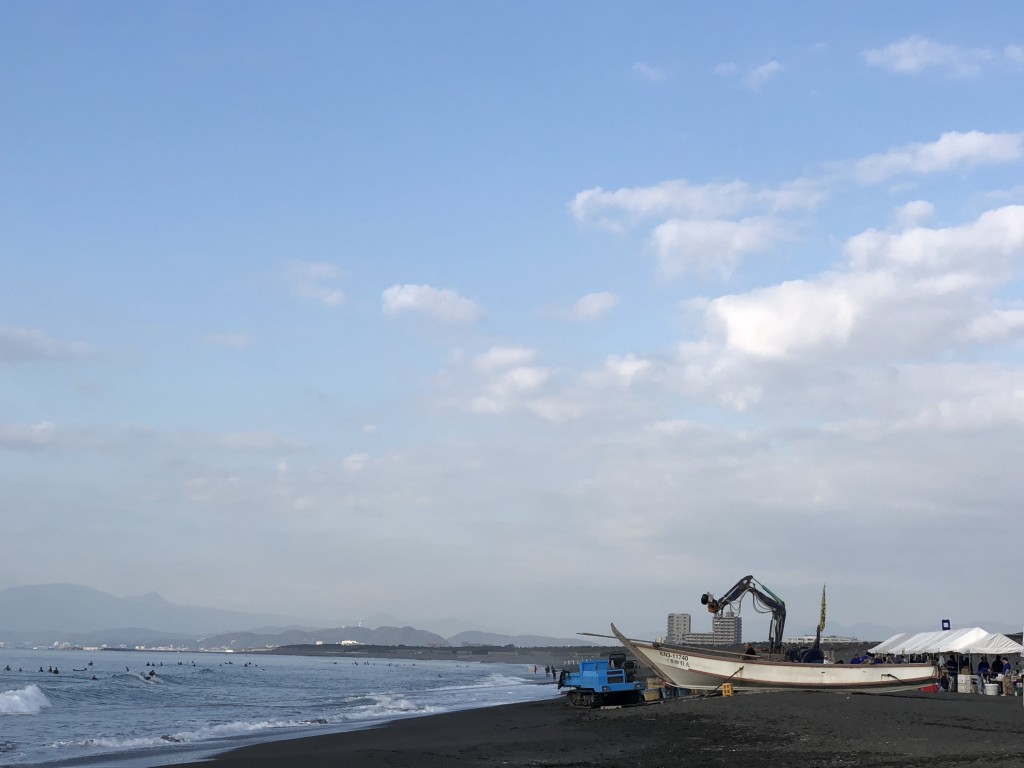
x,y
893,643
968,640
997,644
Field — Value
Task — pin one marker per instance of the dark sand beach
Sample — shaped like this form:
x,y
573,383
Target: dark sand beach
x,y
819,730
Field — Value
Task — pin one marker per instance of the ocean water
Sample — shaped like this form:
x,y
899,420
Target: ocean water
x,y
198,704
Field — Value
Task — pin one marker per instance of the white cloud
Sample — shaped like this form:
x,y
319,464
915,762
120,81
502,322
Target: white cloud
x,y
915,212
536,390
710,246
623,208
501,380
236,340
440,304
555,410
903,293
27,436
647,72
915,54
838,341
951,151
501,358
314,280
775,322
627,369
355,463
594,305
257,442
982,246
978,412
674,426
510,389
755,78
995,326
134,440
703,228
19,344
710,228
1014,53
618,373
758,76
524,378
962,398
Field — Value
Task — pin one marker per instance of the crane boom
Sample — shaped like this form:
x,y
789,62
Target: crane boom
x,y
821,622
764,600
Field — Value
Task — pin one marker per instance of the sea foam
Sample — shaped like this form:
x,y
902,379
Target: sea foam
x,y
24,701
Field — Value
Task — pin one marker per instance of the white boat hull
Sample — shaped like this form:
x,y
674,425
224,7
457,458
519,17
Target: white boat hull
x,y
707,670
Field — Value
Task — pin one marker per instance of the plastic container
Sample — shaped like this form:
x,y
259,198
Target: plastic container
x,y
992,689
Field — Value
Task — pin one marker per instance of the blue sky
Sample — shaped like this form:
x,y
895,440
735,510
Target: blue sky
x,y
540,315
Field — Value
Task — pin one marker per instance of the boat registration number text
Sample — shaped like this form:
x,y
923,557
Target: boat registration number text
x,y
676,659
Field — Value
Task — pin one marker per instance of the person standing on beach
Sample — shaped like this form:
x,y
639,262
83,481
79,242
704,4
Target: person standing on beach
x,y
983,670
951,666
1007,677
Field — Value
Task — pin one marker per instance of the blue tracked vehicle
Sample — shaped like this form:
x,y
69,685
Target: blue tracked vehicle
x,y
602,682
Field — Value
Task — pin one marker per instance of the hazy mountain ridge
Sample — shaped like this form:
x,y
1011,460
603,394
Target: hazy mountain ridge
x,y
67,613
72,608
79,615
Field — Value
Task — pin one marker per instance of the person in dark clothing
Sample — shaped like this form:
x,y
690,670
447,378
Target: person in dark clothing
x,y
951,665
983,673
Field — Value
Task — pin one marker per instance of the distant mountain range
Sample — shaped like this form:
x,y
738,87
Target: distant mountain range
x,y
75,608
79,615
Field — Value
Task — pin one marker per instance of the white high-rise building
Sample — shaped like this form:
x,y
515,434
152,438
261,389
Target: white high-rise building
x,y
678,627
725,630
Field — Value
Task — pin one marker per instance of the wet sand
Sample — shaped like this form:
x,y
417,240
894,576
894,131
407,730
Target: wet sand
x,y
801,730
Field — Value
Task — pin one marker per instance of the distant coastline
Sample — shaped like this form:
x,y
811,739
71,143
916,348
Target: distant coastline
x,y
557,655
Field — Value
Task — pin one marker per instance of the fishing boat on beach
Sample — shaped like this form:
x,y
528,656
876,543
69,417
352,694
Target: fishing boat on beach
x,y
706,669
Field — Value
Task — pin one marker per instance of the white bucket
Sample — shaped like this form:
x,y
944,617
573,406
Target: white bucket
x,y
963,683
991,689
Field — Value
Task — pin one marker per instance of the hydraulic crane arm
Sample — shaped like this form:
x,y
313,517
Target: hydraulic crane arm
x,y
764,601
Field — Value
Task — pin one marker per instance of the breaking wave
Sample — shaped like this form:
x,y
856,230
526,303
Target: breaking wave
x,y
24,701
383,708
